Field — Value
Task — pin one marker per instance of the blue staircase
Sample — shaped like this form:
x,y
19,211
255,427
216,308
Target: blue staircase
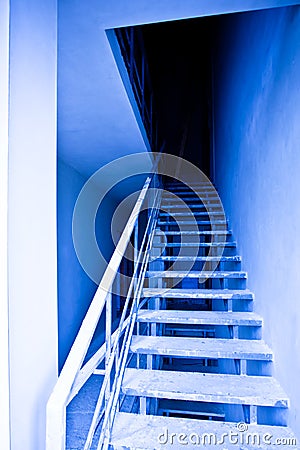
x,y
198,372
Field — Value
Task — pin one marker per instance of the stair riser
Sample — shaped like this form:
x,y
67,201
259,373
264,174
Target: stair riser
x,y
193,283
249,332
163,238
221,332
160,394
202,305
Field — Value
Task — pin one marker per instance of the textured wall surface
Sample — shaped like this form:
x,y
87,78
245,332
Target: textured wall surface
x,y
257,105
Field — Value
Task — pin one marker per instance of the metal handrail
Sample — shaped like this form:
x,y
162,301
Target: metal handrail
x,y
73,375
137,289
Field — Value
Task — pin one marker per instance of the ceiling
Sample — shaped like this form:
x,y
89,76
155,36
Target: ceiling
x,y
96,120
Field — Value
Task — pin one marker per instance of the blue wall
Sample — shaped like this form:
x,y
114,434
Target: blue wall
x,y
257,140
75,288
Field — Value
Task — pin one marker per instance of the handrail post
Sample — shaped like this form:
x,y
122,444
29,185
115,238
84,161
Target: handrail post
x,y
56,426
135,259
108,331
135,246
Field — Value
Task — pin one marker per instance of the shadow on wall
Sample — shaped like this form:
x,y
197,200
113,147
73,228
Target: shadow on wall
x,y
75,288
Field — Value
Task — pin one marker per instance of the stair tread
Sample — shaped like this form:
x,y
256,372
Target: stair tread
x,y
194,244
198,293
199,317
197,258
202,347
189,183
190,189
191,232
193,192
193,222
136,431
205,387
167,206
195,198
188,214
171,187
195,274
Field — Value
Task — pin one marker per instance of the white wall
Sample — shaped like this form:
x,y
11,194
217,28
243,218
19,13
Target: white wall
x,y
4,356
32,219
257,171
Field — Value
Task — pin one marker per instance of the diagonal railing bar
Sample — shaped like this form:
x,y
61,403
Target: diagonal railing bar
x,y
73,375
89,367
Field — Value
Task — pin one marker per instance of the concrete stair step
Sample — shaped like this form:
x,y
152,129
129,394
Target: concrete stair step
x,y
207,200
210,348
220,246
236,259
205,192
191,222
188,214
196,274
205,387
200,317
214,294
147,432
192,183
189,205
192,232
194,187
194,244
193,198
191,190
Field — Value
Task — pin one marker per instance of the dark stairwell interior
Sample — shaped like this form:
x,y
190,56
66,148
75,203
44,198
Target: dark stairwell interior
x,y
179,57
178,63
